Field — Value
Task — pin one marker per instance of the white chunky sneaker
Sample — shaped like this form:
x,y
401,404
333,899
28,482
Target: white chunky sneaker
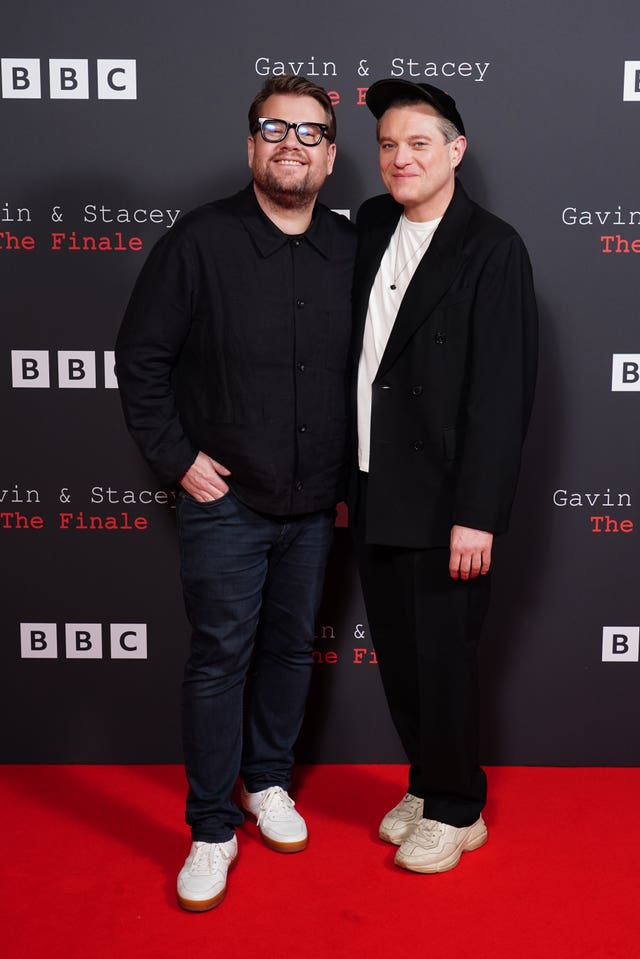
x,y
281,827
400,821
202,881
436,847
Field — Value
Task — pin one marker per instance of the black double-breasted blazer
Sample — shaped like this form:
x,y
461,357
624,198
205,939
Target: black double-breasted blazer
x,y
452,397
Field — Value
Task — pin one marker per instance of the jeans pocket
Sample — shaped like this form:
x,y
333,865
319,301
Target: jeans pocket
x,y
209,504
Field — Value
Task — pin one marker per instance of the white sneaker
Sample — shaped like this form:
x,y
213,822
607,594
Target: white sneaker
x,y
202,881
281,827
436,846
400,821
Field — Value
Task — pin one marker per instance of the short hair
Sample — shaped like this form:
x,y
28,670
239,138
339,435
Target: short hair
x,y
448,129
294,86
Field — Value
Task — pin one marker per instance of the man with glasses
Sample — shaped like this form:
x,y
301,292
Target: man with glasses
x,y
232,365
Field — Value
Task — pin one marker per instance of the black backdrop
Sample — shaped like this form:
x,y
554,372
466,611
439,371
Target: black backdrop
x,y
115,118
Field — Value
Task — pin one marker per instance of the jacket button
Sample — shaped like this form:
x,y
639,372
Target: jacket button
x,y
301,367
440,338
299,487
416,391
300,303
418,445
303,428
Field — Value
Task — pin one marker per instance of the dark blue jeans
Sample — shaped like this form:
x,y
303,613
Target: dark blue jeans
x,y
252,586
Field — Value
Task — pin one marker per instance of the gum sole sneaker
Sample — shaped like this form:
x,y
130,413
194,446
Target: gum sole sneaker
x,y
202,881
437,847
400,821
281,827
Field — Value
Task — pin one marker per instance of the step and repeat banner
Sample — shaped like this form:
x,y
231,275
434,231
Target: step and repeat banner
x,y
117,119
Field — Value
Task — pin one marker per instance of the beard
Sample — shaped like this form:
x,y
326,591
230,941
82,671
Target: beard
x,y
286,193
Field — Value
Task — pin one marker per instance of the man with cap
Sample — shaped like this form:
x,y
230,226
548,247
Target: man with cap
x,y
446,348
232,363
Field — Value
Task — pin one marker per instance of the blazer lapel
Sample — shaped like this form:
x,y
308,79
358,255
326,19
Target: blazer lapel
x,y
371,247
433,277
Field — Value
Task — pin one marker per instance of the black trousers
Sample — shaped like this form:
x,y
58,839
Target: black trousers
x,y
425,627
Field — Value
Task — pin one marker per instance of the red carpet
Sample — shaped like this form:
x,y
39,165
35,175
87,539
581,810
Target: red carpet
x,y
91,855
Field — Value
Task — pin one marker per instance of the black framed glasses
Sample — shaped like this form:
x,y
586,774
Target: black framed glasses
x,y
274,131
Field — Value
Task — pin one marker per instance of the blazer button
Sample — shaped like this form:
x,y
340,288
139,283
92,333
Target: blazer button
x,y
440,338
418,445
416,391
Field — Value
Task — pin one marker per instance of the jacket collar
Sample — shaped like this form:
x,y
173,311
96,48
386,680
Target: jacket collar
x,y
447,238
266,235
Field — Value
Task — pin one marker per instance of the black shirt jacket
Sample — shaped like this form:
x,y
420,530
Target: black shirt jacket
x,y
236,343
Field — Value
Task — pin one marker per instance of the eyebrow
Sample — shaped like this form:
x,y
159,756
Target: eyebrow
x,y
413,136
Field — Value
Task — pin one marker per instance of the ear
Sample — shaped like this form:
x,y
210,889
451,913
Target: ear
x,y
331,158
251,149
456,150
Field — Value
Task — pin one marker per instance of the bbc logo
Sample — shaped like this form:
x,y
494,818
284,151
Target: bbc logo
x,y
625,372
68,79
83,641
76,369
620,644
631,80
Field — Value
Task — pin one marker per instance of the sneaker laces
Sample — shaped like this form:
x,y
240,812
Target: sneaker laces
x,y
276,801
428,832
409,804
208,857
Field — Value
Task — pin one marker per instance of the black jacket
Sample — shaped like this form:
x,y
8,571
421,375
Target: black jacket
x,y
236,342
452,397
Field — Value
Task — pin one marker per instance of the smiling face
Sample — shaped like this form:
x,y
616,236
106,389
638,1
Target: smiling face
x,y
417,165
288,174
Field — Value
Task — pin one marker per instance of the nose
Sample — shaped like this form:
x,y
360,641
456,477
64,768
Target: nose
x,y
290,140
402,155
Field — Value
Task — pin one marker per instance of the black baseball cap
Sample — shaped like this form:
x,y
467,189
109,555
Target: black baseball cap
x,y
382,93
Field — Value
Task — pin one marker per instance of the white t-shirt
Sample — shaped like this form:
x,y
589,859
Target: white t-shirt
x,y
407,246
